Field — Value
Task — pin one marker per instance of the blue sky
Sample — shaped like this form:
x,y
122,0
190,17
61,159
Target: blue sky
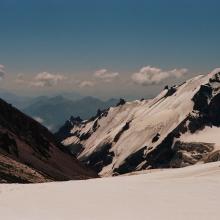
x,y
78,38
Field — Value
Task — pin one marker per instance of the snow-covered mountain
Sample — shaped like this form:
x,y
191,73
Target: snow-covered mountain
x,y
171,130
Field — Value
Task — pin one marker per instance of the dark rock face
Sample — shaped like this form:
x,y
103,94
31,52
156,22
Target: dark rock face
x,y
26,144
215,156
121,102
207,102
202,97
196,123
186,154
161,155
156,138
8,144
170,91
64,131
215,78
101,157
214,111
125,127
131,162
95,126
99,114
75,149
85,136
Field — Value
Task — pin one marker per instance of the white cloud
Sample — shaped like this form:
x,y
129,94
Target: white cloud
x,y
105,75
2,71
43,79
84,84
152,75
178,73
46,79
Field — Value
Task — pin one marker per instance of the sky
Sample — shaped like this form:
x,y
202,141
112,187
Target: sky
x,y
106,48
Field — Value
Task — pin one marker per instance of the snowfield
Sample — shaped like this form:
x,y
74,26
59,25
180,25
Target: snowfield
x,y
186,193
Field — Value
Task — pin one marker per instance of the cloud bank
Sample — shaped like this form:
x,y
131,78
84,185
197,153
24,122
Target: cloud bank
x,y
46,79
106,75
43,79
149,75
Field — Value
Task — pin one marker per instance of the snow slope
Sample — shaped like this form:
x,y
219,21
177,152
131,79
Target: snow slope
x,y
186,193
135,130
207,135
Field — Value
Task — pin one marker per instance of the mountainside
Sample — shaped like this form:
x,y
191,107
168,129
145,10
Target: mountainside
x,y
29,152
53,112
167,131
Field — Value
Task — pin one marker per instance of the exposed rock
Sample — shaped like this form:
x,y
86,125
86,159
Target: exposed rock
x,y
95,126
64,131
75,149
214,111
213,157
124,128
101,157
190,153
170,91
8,144
202,98
27,145
156,138
121,102
131,162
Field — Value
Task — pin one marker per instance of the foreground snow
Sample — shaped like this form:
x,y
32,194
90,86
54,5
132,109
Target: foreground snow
x,y
186,193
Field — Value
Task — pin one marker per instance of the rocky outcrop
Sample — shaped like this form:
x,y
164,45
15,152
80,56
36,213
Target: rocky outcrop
x,y
186,154
64,131
121,102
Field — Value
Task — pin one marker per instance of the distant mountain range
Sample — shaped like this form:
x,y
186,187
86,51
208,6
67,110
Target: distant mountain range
x,y
53,111
22,101
18,101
